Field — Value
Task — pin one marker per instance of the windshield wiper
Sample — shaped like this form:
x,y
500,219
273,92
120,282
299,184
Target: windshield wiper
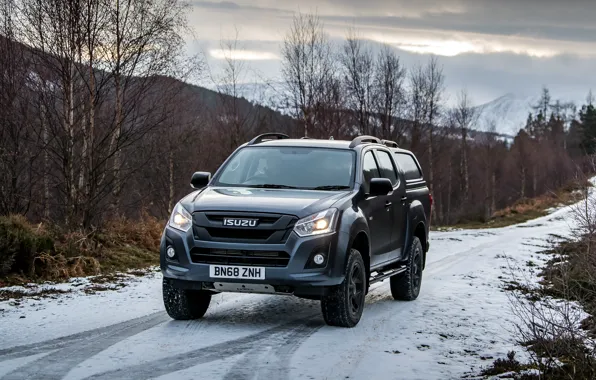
x,y
331,187
273,186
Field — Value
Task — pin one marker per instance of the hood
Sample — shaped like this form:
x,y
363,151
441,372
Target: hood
x,y
300,203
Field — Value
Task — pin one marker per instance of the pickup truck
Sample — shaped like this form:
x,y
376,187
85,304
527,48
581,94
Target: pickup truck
x,y
317,219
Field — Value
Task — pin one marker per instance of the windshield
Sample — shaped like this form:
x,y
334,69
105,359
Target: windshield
x,y
289,167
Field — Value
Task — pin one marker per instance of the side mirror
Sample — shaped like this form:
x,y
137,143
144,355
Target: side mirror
x,y
200,180
379,186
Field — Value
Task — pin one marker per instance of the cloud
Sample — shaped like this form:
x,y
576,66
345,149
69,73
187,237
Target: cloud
x,y
243,55
492,46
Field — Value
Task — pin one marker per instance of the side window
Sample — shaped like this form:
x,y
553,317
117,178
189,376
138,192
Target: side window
x,y
386,166
409,166
369,167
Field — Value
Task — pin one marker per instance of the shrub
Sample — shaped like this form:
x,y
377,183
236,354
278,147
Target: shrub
x,y
36,253
20,244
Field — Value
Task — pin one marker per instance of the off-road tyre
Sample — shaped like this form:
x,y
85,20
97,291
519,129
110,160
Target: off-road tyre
x,y
406,286
344,304
184,304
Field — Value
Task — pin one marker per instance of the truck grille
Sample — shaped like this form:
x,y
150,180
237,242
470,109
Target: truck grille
x,y
236,257
271,228
243,234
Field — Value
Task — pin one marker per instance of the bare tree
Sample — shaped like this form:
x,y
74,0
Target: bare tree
x,y
489,145
389,94
144,39
16,119
359,76
307,67
237,121
94,58
464,116
434,86
54,30
417,89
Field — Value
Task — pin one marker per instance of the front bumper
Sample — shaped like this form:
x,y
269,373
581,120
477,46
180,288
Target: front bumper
x,y
294,278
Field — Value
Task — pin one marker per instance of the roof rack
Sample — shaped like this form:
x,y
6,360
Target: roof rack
x,y
268,136
363,140
389,143
306,138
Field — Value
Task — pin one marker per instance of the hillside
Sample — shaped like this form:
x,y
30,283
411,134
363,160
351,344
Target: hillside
x,y
508,112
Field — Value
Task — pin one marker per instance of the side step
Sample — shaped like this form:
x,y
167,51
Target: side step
x,y
380,276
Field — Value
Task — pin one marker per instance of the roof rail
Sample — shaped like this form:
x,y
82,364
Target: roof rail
x,y
306,138
389,143
363,140
267,136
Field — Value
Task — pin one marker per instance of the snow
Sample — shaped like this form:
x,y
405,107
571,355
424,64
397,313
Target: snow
x,y
509,113
461,321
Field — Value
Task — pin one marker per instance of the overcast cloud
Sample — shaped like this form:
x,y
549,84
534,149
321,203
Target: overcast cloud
x,y
489,47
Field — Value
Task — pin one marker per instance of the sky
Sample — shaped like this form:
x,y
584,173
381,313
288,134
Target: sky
x,y
488,47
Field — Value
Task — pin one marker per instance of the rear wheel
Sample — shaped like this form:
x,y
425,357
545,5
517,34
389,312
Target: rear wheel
x,y
344,305
184,304
406,286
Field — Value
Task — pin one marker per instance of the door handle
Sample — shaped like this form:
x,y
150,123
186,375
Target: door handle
x,y
388,204
403,199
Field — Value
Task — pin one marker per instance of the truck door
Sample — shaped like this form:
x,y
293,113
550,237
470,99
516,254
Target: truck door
x,y
377,213
398,201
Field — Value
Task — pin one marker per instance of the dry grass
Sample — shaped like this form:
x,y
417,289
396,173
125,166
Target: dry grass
x,y
528,208
559,338
33,253
500,366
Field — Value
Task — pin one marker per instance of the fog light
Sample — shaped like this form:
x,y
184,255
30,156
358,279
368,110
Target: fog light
x,y
171,252
319,259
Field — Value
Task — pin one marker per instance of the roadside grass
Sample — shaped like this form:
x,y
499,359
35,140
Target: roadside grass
x,y
526,209
561,342
44,252
555,359
508,365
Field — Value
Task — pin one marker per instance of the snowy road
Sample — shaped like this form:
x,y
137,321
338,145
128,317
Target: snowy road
x,y
460,321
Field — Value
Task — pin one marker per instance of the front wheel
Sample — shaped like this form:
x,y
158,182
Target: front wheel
x,y
406,286
344,305
184,304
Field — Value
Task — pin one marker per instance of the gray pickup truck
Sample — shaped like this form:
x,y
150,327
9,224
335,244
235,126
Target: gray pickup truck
x,y
317,219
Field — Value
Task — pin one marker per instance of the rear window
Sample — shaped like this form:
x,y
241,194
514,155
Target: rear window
x,y
409,166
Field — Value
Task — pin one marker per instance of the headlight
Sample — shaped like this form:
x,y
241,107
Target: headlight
x,y
320,223
180,219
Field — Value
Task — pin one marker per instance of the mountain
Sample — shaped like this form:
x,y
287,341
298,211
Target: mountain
x,y
272,95
507,113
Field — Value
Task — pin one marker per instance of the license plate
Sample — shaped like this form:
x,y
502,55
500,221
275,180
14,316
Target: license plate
x,y
233,271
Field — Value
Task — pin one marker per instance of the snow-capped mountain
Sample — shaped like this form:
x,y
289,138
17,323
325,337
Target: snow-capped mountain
x,y
508,114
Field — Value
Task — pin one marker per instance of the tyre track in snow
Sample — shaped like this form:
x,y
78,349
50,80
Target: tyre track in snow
x,y
65,353
281,341
272,362
68,352
83,338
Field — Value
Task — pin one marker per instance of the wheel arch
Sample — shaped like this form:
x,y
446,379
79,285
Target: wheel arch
x,y
361,242
420,233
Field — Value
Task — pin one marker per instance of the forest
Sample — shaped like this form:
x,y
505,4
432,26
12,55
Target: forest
x,y
99,121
